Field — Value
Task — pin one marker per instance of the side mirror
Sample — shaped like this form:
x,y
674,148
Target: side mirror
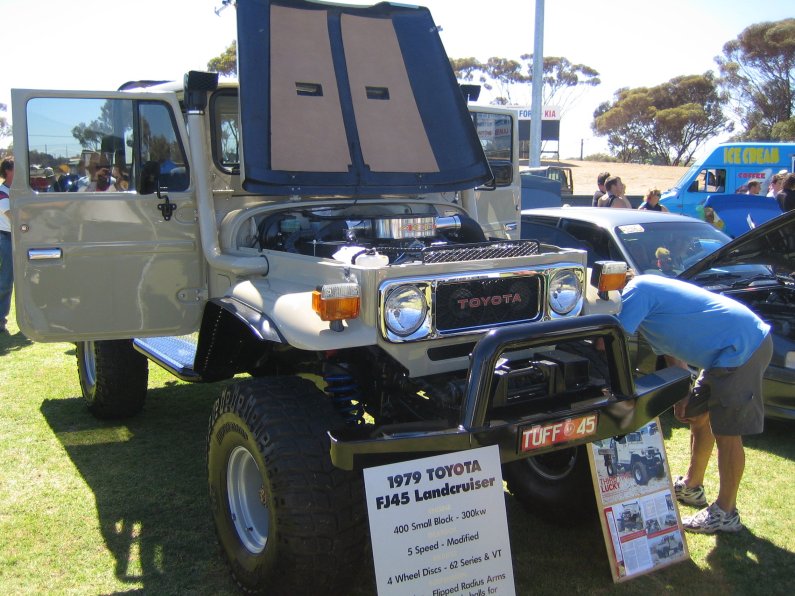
x,y
149,181
502,174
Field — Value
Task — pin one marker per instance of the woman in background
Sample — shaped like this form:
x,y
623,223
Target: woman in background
x,y
652,202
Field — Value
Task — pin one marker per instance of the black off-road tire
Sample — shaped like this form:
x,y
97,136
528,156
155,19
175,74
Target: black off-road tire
x,y
555,485
610,466
641,473
113,378
288,521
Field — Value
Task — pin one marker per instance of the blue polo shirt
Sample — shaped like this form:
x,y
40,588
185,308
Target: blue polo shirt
x,y
685,321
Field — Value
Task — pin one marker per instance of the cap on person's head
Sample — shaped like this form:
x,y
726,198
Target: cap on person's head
x,y
48,173
783,172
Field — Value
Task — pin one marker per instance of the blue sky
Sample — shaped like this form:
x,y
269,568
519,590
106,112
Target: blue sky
x,y
96,44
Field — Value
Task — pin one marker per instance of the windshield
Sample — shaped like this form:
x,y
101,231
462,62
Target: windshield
x,y
225,133
686,177
668,248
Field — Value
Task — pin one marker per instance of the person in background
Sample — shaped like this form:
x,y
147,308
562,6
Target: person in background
x,y
776,184
6,264
98,177
786,196
652,201
754,187
665,262
732,347
615,194
600,183
122,179
49,177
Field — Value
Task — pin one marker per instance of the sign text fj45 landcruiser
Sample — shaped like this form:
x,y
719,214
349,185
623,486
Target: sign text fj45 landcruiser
x,y
329,226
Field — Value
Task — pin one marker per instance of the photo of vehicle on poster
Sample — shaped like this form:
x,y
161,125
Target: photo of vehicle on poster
x,y
625,464
634,492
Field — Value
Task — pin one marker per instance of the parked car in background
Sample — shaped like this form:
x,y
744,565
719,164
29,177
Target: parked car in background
x,y
559,173
755,268
538,191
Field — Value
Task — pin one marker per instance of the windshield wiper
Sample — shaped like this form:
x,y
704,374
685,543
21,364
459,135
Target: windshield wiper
x,y
753,278
715,276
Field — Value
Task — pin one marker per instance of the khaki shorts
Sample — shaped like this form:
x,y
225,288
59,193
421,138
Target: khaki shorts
x,y
733,396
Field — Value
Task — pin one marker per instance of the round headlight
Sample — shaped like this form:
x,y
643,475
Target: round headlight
x,y
565,291
405,309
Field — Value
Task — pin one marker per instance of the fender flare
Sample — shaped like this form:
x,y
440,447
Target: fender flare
x,y
231,335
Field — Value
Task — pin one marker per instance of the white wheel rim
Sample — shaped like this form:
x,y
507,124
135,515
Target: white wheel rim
x,y
89,364
247,500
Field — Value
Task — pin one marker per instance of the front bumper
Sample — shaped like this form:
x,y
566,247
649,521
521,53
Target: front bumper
x,y
628,405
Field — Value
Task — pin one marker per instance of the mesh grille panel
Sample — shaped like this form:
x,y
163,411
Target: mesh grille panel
x,y
480,303
468,252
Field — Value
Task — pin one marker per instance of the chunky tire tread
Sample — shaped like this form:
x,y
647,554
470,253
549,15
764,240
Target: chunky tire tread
x,y
318,520
122,375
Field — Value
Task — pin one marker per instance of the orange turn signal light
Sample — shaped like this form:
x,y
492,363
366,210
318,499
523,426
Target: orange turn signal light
x,y
335,302
609,275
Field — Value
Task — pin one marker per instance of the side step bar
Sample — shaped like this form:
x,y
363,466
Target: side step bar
x,y
175,354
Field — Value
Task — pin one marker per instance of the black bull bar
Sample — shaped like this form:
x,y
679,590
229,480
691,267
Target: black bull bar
x,y
630,404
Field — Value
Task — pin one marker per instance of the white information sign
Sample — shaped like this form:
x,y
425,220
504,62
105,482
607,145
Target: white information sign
x,y
438,526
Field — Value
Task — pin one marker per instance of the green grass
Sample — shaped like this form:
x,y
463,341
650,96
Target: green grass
x,y
91,507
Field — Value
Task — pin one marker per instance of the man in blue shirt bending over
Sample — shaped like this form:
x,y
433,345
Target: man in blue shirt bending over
x,y
732,347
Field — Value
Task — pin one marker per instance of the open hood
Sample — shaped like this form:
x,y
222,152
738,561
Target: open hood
x,y
741,212
348,100
772,243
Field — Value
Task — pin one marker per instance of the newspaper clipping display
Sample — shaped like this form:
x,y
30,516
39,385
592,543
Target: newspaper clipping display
x,y
640,520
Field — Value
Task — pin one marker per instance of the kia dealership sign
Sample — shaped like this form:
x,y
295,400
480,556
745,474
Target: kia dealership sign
x,y
547,113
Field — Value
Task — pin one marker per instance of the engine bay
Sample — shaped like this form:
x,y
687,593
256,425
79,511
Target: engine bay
x,y
775,305
374,235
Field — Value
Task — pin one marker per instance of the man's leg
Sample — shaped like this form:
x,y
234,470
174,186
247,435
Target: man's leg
x,y
731,464
701,443
6,277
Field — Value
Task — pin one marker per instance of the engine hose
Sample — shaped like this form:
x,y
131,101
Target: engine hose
x,y
467,229
471,230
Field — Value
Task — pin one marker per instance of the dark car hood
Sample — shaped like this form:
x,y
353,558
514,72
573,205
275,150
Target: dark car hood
x,y
350,100
772,243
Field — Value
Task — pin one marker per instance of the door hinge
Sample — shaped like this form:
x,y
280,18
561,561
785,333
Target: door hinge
x,y
192,294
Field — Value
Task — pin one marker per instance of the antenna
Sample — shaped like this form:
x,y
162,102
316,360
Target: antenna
x,y
224,4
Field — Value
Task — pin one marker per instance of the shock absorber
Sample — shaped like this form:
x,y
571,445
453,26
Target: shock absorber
x,y
345,394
